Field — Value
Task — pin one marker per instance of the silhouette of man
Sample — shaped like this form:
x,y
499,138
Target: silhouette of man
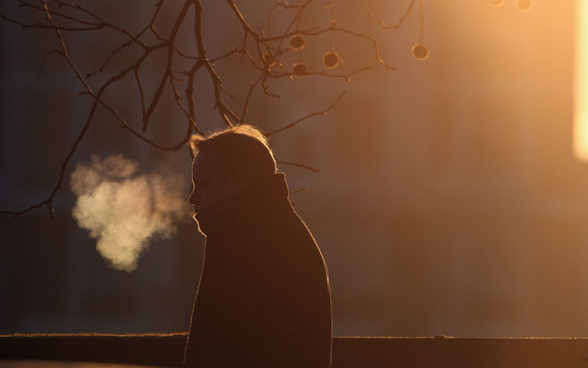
x,y
263,298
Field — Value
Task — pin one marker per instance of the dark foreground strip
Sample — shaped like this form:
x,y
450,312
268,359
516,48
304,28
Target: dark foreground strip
x,y
362,352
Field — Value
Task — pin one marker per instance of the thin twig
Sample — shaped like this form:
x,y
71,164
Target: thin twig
x,y
400,21
248,96
307,116
302,166
299,190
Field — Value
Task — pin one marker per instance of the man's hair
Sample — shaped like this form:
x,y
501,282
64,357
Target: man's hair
x,y
243,151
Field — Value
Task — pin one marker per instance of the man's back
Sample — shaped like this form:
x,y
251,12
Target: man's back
x,y
263,298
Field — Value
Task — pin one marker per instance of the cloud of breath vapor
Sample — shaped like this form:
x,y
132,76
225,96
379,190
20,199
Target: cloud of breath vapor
x,y
124,210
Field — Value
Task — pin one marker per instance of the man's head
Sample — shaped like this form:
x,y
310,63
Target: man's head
x,y
227,162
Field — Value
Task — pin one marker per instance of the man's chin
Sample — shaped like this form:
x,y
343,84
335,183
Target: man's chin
x,y
195,218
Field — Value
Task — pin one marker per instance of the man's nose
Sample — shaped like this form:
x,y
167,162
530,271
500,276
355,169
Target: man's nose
x,y
194,198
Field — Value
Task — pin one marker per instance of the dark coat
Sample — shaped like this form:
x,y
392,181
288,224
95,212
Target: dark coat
x,y
263,298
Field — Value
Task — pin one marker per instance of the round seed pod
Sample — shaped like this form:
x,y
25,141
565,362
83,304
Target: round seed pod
x,y
299,69
331,59
420,51
524,5
297,42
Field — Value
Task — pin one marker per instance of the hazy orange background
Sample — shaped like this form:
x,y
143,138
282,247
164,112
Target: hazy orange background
x,y
449,199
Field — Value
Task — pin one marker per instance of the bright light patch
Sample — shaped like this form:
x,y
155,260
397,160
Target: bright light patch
x,y
581,82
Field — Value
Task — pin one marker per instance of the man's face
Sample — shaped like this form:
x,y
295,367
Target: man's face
x,y
208,184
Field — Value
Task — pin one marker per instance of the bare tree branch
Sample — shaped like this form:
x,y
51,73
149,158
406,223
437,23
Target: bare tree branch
x,y
59,186
299,190
400,21
302,166
268,54
249,93
307,116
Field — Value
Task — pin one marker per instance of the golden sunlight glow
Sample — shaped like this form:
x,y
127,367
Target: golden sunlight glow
x,y
581,82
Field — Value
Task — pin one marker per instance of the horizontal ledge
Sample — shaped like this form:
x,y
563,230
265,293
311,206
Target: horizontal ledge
x,y
182,334
166,349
